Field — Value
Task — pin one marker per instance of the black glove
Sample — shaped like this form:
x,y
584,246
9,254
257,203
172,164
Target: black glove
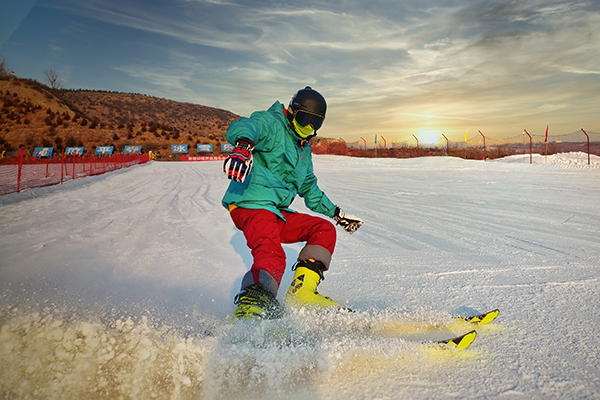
x,y
350,223
239,163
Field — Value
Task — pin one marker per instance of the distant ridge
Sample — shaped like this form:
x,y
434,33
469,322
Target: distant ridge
x,y
34,115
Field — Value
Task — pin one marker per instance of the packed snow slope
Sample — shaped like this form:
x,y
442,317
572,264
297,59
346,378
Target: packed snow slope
x,y
119,286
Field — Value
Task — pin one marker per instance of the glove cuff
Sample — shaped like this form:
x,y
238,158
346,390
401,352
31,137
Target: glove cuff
x,y
338,215
245,144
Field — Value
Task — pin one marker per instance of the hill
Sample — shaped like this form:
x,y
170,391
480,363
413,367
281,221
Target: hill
x,y
33,115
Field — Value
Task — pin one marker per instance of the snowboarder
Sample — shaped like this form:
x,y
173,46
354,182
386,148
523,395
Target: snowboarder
x,y
270,164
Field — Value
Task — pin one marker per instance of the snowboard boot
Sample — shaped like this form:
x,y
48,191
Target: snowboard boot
x,y
303,290
256,302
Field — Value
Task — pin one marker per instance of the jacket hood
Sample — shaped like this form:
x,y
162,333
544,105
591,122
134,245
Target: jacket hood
x,y
279,109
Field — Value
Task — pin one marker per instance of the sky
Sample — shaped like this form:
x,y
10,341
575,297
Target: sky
x,y
388,68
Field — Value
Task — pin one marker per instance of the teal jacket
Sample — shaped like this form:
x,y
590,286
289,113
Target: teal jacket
x,y
282,166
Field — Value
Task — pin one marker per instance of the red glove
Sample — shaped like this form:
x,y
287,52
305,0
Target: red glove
x,y
239,163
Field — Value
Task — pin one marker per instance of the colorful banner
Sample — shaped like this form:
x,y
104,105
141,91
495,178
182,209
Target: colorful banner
x,y
132,150
205,148
203,158
179,148
43,151
74,151
546,140
226,147
104,150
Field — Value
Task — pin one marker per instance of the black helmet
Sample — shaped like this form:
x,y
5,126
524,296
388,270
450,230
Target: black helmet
x,y
309,107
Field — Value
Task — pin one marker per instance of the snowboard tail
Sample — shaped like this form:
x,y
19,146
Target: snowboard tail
x,y
460,342
481,319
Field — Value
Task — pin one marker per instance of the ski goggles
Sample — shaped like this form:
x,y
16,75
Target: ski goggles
x,y
305,118
302,131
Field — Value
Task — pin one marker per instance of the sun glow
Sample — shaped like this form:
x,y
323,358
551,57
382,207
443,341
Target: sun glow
x,y
429,137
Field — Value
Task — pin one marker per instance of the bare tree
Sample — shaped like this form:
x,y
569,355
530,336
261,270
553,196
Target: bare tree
x,y
53,80
5,73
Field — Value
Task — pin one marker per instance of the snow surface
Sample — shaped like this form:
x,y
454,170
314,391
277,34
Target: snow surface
x,y
120,285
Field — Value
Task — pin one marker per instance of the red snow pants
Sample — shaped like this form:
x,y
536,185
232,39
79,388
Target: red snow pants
x,y
265,232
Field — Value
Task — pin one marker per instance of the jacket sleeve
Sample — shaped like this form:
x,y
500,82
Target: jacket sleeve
x,y
314,198
255,128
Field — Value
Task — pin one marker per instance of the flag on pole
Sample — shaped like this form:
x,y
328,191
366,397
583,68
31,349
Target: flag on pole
x,y
375,139
546,140
465,136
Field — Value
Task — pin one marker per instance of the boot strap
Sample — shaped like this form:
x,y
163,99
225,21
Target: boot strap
x,y
313,265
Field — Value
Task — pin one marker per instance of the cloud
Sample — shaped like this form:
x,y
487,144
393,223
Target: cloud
x,y
386,66
170,19
442,117
577,70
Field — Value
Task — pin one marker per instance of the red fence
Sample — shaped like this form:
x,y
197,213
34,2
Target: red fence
x,y
476,147
24,172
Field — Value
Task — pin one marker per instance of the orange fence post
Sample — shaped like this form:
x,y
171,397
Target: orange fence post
x,y
484,149
365,143
588,144
530,146
447,145
418,148
21,154
62,167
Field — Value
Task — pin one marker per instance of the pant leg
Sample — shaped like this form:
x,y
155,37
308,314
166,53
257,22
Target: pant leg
x,y
318,233
262,229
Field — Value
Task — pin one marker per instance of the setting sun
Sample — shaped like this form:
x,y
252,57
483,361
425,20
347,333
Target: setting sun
x,y
429,137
